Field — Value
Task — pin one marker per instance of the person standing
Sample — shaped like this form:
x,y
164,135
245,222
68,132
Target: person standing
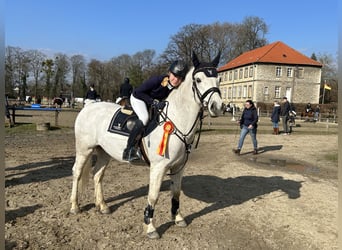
x,y
150,93
317,111
248,124
275,117
285,112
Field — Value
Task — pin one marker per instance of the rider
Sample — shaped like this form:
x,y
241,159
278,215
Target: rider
x,y
126,90
151,92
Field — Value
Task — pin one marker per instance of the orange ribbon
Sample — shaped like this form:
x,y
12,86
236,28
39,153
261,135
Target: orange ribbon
x,y
168,128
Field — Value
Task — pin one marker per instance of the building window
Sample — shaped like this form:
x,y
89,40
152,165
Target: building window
x,y
244,92
250,91
300,73
278,71
277,92
246,72
235,74
266,91
229,92
234,93
289,72
239,91
240,73
251,71
230,75
224,93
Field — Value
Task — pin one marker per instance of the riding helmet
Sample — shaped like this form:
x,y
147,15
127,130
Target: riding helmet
x,y
179,68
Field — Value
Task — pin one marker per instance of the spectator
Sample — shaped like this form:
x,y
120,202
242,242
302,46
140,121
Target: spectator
x,y
248,124
317,112
285,112
275,117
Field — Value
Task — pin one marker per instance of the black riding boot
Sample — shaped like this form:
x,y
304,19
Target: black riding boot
x,y
130,153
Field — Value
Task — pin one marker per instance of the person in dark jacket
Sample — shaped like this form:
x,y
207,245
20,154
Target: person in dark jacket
x,y
248,123
152,92
285,114
275,117
91,93
126,90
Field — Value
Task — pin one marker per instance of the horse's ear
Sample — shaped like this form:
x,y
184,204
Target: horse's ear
x,y
216,60
195,60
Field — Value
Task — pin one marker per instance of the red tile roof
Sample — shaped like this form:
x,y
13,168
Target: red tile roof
x,y
276,52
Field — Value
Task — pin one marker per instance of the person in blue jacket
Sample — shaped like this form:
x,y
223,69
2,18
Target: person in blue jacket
x,y
248,123
152,92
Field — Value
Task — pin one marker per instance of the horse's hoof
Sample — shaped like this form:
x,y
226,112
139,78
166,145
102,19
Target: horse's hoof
x,y
181,223
105,211
153,235
75,211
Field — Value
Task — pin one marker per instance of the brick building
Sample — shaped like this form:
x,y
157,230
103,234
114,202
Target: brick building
x,y
268,73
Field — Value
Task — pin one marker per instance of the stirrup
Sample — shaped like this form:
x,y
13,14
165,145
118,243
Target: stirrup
x,y
133,155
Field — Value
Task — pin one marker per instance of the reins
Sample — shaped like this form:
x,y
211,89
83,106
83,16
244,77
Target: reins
x,y
183,136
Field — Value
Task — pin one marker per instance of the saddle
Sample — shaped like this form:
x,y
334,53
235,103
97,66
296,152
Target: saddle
x,y
124,120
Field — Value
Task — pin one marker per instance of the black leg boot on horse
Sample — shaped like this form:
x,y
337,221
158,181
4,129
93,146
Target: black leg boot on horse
x,y
131,153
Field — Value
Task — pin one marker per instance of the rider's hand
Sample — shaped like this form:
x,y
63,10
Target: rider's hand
x,y
159,105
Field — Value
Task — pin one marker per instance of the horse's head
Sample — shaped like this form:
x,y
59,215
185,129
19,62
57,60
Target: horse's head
x,y
205,84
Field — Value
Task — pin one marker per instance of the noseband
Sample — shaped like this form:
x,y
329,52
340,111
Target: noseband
x,y
209,72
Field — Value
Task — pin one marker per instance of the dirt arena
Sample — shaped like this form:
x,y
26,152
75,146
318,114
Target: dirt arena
x,y
283,198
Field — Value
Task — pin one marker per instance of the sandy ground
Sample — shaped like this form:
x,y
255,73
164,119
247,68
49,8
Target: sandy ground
x,y
283,198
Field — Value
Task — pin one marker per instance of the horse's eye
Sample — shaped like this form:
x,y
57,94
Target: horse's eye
x,y
198,80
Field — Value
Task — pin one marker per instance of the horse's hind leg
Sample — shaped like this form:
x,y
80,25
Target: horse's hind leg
x,y
176,182
99,169
80,169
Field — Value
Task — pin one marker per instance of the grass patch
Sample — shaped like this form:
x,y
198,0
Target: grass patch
x,y
331,157
25,128
21,128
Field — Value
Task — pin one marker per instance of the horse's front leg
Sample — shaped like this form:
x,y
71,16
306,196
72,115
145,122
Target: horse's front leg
x,y
157,173
176,183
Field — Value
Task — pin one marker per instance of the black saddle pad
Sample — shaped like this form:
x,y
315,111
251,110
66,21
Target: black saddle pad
x,y
123,121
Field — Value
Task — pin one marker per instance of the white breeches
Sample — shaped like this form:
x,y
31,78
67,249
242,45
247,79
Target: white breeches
x,y
140,109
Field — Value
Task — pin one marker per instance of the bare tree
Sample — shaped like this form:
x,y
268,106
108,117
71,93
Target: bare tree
x,y
36,58
78,68
96,75
61,68
18,70
251,34
329,76
140,69
207,40
10,67
47,68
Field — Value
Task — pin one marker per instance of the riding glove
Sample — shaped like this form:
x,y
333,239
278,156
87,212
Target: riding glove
x,y
159,105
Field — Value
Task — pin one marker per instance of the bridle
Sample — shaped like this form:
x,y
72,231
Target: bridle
x,y
209,72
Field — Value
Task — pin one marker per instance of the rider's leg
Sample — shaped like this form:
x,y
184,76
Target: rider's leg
x,y
140,108
130,152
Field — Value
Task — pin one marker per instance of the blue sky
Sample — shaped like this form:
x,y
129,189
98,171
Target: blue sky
x,y
104,29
